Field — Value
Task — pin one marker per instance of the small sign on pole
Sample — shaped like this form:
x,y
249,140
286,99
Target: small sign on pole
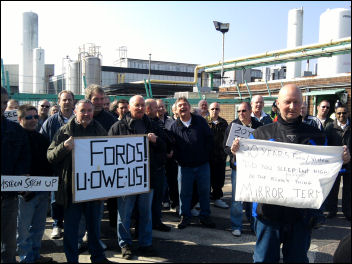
x,y
238,131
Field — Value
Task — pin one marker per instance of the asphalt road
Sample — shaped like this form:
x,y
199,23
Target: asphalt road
x,y
196,244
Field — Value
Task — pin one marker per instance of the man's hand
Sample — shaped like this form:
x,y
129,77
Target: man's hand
x,y
235,145
68,144
346,157
152,137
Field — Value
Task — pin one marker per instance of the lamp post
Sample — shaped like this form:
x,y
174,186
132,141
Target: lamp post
x,y
150,57
223,28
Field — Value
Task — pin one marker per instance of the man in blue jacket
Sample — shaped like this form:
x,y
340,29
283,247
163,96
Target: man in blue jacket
x,y
192,151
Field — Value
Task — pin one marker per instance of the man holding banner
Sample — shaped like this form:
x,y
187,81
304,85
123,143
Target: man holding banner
x,y
288,224
60,154
244,120
33,206
15,160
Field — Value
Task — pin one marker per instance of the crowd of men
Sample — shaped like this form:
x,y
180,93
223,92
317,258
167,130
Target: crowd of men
x,y
188,155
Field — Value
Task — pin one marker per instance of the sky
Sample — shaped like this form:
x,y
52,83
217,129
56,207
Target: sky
x,y
173,31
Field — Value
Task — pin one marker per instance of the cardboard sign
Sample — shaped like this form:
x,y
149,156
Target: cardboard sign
x,y
14,183
286,174
106,167
238,131
11,115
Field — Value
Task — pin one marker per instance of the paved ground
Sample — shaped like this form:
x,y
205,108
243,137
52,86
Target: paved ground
x,y
196,244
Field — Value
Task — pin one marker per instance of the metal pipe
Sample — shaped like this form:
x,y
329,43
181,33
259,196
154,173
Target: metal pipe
x,y
262,55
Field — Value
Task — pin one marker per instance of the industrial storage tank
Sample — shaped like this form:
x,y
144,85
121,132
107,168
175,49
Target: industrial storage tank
x,y
29,42
91,69
38,71
334,24
73,77
294,39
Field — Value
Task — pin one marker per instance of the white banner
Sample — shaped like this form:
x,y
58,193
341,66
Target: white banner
x,y
11,115
286,174
14,183
238,131
106,167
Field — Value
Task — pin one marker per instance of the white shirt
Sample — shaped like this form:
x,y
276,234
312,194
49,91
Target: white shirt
x,y
341,125
262,115
187,123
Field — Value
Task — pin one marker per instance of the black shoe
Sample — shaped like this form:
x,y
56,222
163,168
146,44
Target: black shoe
x,y
82,248
207,222
331,215
126,252
147,251
105,260
185,221
43,259
161,227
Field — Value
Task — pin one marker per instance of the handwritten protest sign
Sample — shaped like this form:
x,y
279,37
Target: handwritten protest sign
x,y
286,174
110,166
11,183
11,115
238,131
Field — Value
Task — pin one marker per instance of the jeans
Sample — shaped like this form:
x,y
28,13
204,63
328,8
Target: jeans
x,y
125,205
57,212
236,206
83,225
158,195
31,225
186,177
294,237
9,206
72,213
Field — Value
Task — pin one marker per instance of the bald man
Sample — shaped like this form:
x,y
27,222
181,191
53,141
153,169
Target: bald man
x,y
257,104
272,223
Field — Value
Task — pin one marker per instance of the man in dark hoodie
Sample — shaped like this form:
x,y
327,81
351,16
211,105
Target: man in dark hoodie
x,y
274,224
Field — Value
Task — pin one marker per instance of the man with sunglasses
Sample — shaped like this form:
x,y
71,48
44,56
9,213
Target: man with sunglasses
x,y
43,112
323,112
339,134
244,112
33,206
217,163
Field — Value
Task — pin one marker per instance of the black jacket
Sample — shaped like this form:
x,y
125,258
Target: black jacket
x,y
157,152
106,119
218,131
298,133
339,137
255,125
193,144
15,151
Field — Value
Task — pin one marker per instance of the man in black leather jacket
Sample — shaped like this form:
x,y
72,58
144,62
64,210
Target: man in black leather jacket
x,y
275,224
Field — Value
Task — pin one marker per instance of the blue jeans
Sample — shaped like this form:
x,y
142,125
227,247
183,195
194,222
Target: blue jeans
x,y
295,238
83,226
57,212
9,210
125,205
158,189
236,210
186,178
31,225
73,212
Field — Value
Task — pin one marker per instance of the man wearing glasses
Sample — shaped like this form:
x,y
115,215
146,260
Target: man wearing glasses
x,y
217,163
244,119
339,134
43,111
323,112
32,206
